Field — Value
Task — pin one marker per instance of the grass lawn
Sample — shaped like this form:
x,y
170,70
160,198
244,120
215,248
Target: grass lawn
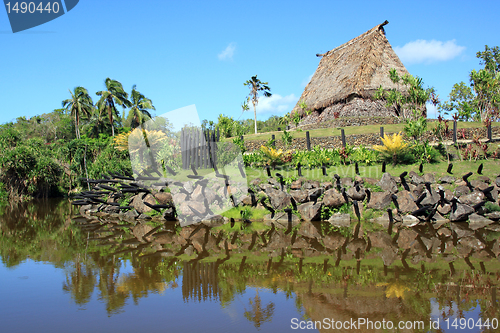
x,y
351,130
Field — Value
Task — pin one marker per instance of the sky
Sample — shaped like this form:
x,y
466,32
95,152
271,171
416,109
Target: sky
x,y
181,53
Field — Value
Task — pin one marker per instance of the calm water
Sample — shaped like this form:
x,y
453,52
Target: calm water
x,y
62,273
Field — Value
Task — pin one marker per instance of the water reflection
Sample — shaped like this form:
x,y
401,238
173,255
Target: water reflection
x,y
414,274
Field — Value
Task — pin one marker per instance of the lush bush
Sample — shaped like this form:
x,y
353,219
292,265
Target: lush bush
x,y
394,149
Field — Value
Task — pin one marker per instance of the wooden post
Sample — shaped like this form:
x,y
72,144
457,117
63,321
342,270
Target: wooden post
x,y
381,134
490,137
454,131
308,141
342,135
287,127
279,129
274,140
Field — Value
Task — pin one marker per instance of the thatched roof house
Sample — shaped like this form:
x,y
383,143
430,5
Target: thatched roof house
x,y
348,76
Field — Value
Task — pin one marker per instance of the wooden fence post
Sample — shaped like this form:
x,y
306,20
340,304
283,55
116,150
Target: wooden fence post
x,y
490,136
274,140
308,141
342,135
381,134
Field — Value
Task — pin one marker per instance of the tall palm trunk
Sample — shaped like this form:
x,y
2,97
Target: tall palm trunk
x,y
111,121
255,117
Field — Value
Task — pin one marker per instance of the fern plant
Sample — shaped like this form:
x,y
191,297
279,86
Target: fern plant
x,y
394,148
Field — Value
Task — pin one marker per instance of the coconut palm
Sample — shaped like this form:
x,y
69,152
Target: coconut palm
x,y
80,104
256,86
139,113
112,96
96,122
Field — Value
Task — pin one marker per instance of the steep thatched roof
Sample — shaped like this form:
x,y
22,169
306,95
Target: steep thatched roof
x,y
356,68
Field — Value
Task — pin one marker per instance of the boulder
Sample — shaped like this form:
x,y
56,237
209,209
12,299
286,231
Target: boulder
x,y
356,195
333,199
471,199
461,190
461,212
406,202
340,220
138,203
163,198
300,196
379,200
279,199
477,221
310,211
447,180
387,183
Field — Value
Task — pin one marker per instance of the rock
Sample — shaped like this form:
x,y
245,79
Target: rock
x,y
371,181
279,199
163,198
471,199
286,220
256,182
340,220
300,196
246,200
485,179
346,182
445,209
461,229
388,256
356,195
461,213
169,214
406,202
439,220
188,186
478,185
415,179
447,180
131,214
493,215
333,199
144,217
310,184
326,185
197,194
461,190
274,183
431,199
497,182
296,185
139,205
387,183
310,211
192,208
477,221
179,198
379,200
315,193
418,190
410,221
429,177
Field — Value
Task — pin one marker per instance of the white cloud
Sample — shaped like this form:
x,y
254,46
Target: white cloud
x,y
276,104
228,52
424,51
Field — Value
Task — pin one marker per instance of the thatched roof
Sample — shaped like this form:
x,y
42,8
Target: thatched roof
x,y
356,68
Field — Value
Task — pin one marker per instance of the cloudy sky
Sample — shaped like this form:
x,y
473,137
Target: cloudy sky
x,y
180,53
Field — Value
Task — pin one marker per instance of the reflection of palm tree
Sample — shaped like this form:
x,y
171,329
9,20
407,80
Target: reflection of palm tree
x,y
258,314
80,284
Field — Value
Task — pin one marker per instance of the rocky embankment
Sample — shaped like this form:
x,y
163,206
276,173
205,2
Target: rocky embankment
x,y
407,199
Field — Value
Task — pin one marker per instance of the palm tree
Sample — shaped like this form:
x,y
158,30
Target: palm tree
x,y
255,86
96,122
114,94
139,113
80,104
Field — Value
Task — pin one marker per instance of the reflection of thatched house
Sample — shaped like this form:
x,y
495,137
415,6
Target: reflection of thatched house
x,y
348,76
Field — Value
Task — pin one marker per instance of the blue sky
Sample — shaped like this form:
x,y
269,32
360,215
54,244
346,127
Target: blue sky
x,y
180,53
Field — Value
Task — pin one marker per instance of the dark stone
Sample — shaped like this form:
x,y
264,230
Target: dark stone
x,y
300,196
461,213
296,185
472,199
139,205
406,202
484,179
387,183
333,199
310,211
326,185
445,209
279,199
429,177
461,190
163,198
478,185
447,180
310,184
379,200
314,194
415,179
431,199
497,181
493,215
356,195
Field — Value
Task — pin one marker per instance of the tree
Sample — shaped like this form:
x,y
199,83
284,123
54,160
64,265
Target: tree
x,y
480,101
114,94
257,86
409,105
80,104
139,113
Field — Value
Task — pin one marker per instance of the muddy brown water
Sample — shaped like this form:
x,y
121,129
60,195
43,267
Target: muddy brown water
x,y
64,273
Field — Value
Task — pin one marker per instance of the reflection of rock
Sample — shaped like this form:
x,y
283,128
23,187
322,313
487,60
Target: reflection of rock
x,y
340,220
